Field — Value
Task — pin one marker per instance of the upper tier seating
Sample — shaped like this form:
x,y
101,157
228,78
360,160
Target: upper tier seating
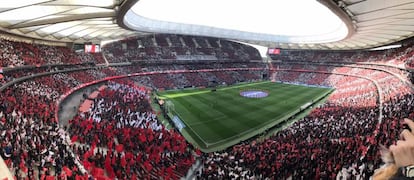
x,y
166,46
397,57
14,54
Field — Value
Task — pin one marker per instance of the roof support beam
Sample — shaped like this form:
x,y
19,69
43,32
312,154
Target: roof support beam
x,y
123,9
63,19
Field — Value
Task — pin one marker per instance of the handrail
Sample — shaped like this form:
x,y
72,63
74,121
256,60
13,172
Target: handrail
x,y
24,78
16,68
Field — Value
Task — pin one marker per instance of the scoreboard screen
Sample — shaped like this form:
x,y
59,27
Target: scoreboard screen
x,y
273,51
92,48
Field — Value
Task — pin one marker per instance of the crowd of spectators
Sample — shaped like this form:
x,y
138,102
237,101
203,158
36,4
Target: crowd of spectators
x,y
194,79
33,144
338,140
318,146
20,59
121,137
388,78
352,111
35,147
14,54
178,47
136,144
401,57
14,74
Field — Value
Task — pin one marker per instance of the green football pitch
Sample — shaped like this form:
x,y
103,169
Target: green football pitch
x,y
224,117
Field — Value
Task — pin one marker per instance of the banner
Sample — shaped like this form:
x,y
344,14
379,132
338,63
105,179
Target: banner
x,y
178,123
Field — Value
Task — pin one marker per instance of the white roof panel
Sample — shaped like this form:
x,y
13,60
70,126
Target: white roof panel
x,y
86,10
72,30
19,3
60,18
95,3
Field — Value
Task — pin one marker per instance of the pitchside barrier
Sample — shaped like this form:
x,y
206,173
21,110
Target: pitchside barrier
x,y
178,123
191,131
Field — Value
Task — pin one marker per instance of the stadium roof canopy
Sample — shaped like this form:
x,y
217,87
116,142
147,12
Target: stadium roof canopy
x,y
352,24
62,20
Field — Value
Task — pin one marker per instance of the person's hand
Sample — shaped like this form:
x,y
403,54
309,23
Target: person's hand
x,y
403,151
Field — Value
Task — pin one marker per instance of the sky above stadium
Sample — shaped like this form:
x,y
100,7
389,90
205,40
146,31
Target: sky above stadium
x,y
275,17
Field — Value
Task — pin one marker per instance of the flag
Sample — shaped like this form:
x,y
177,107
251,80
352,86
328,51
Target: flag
x,y
23,167
134,176
79,177
123,161
119,148
86,164
74,139
67,171
110,143
97,172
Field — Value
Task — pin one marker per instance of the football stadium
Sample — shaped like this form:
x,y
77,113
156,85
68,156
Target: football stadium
x,y
180,89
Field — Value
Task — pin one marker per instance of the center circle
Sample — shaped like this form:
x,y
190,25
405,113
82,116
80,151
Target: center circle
x,y
254,93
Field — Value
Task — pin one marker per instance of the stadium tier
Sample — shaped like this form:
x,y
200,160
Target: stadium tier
x,y
15,54
122,132
178,47
395,57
